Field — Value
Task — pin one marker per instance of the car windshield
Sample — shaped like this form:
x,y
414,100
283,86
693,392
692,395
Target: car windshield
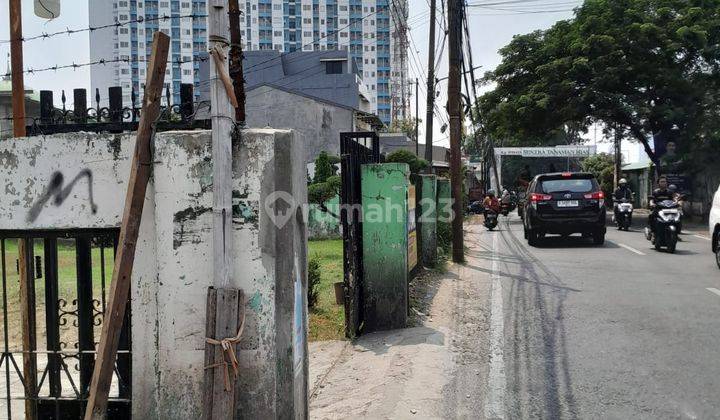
x,y
567,186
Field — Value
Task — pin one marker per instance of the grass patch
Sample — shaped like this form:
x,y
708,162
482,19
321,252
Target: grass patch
x,y
327,319
67,288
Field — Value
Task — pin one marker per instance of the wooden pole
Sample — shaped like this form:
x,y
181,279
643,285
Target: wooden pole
x,y
430,89
27,290
129,230
454,104
222,129
16,69
27,314
236,58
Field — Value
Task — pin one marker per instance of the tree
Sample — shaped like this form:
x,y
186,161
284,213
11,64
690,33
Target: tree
x,y
405,156
602,166
406,126
647,67
323,168
325,184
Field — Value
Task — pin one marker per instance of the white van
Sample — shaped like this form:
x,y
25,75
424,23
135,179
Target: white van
x,y
714,226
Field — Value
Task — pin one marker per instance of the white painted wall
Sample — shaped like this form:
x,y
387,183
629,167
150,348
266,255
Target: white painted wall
x,y
173,264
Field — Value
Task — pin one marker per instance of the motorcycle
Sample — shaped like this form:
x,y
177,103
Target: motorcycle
x,y
664,232
491,219
623,214
475,207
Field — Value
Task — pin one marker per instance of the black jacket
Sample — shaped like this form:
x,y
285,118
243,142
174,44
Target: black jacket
x,y
622,192
661,195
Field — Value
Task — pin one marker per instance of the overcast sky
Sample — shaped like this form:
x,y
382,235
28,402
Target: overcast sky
x,y
492,25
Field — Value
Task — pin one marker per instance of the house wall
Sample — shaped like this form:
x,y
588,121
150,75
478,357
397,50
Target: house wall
x,y
317,124
173,265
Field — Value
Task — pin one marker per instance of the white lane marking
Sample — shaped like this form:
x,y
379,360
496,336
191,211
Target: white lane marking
x,y
702,237
631,249
714,290
495,401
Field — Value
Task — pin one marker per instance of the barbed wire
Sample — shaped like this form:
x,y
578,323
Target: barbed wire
x,y
104,61
68,31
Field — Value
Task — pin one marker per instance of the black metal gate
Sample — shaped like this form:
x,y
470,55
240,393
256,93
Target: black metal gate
x,y
355,149
50,328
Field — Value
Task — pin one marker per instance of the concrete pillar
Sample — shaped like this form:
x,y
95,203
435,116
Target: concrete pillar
x,y
427,200
385,245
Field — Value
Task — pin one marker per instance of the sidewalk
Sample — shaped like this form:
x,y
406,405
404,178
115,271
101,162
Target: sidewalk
x,y
433,369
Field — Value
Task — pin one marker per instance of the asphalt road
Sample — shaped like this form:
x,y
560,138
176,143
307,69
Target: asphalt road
x,y
615,331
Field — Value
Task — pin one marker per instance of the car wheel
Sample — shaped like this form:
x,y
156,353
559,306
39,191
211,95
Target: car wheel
x,y
599,238
532,237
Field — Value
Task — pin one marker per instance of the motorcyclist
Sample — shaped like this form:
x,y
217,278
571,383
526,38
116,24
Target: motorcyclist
x,y
490,202
661,193
622,192
505,199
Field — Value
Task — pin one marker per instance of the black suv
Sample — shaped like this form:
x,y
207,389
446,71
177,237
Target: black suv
x,y
564,203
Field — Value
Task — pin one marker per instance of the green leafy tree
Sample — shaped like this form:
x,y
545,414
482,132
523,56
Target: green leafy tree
x,y
406,126
323,168
405,156
650,68
602,166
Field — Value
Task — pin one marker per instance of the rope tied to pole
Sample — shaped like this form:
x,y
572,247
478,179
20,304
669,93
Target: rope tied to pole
x,y
228,354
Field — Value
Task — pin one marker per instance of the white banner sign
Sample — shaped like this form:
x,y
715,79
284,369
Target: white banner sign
x,y
560,151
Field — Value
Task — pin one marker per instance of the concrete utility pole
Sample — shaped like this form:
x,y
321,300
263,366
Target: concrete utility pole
x,y
430,89
417,133
618,155
236,60
454,109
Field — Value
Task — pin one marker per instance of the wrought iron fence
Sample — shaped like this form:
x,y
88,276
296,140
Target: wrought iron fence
x,y
356,148
115,118
46,367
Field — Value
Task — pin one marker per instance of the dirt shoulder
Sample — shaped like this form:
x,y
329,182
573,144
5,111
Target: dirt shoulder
x,y
434,369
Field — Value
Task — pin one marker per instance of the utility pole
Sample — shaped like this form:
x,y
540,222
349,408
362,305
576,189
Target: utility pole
x,y
236,60
16,68
618,155
430,89
27,289
454,109
417,133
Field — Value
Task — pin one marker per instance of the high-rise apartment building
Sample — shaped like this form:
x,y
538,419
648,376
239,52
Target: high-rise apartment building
x,y
374,32
133,42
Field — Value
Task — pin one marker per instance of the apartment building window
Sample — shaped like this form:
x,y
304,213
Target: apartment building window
x,y
277,6
343,21
343,8
307,34
123,17
278,33
187,72
124,44
185,5
124,71
307,7
307,20
124,30
164,4
122,4
139,5
187,45
343,34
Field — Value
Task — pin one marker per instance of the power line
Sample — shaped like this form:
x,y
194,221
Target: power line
x,y
69,31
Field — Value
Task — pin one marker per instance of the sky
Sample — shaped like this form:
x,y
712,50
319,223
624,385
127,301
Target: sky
x,y
492,25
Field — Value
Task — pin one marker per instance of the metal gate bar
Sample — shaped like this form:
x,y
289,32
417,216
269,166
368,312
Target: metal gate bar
x,y
356,149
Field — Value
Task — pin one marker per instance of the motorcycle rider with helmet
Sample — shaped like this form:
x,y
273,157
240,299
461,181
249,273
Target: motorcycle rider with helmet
x,y
490,202
622,192
661,193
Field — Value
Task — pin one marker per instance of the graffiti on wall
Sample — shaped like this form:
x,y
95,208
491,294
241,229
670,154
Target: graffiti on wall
x,y
58,193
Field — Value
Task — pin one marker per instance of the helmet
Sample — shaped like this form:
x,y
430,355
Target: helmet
x,y
622,181
672,187
491,192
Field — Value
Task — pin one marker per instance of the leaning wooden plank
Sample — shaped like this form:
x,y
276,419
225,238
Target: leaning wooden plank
x,y
27,314
134,200
209,354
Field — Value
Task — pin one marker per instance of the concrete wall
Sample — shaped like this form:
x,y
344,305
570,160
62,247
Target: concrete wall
x,y
317,123
173,265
